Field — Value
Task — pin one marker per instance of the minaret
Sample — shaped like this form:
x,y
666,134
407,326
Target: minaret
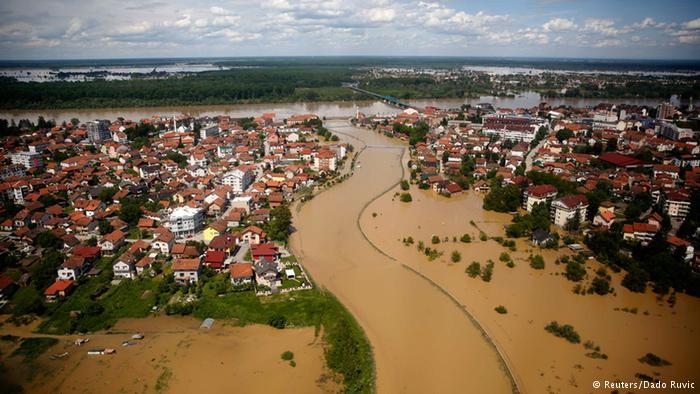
x,y
174,124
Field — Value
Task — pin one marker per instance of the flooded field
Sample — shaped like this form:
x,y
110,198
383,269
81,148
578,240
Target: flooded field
x,y
533,298
177,357
422,341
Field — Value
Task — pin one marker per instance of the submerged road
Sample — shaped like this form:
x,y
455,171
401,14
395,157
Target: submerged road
x,y
422,341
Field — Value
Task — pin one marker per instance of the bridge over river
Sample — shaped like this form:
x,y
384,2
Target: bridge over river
x,y
391,100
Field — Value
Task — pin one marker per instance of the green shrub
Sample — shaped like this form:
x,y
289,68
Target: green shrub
x,y
456,257
406,197
278,321
575,272
287,356
536,262
487,272
600,286
483,236
465,238
435,240
474,269
504,257
565,331
501,309
404,185
654,360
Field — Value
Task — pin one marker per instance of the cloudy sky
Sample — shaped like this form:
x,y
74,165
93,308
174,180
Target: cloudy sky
x,y
50,29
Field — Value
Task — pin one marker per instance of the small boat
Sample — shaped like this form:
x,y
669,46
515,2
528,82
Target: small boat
x,y
81,341
126,343
137,336
58,356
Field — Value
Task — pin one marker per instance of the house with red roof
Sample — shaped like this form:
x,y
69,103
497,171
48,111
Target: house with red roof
x,y
58,290
111,242
538,194
215,259
187,271
241,273
253,235
566,208
639,232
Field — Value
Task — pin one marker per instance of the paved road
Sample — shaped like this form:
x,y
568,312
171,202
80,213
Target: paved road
x,y
533,151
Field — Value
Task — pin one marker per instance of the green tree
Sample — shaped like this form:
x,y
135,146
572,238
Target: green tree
x,y
502,199
49,240
278,226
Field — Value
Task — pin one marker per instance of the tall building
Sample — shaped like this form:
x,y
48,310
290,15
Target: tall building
x,y
98,130
665,111
27,159
186,221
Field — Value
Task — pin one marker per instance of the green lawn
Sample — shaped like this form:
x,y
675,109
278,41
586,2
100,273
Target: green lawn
x,y
100,311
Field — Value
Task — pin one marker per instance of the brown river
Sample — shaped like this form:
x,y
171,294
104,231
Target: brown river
x,y
423,342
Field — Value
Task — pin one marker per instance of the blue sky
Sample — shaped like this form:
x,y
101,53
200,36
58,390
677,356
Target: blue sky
x,y
73,29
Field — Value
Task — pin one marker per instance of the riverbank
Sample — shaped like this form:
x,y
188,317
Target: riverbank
x,y
625,325
406,319
177,357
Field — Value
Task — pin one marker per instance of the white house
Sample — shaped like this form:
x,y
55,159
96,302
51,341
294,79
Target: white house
x,y
565,208
72,268
111,242
185,221
187,271
538,194
238,179
124,267
164,242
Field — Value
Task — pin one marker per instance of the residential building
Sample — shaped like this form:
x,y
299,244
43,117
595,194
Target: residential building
x,y
124,267
538,194
241,273
27,159
111,242
98,131
187,271
325,160
677,204
186,221
72,268
566,208
238,179
58,290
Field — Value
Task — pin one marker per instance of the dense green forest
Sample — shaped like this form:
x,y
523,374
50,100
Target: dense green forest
x,y
215,87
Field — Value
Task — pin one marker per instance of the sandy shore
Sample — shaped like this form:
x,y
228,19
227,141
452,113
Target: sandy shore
x,y
177,357
542,362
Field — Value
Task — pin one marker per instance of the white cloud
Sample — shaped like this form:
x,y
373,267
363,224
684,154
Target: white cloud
x,y
380,14
218,11
559,24
694,24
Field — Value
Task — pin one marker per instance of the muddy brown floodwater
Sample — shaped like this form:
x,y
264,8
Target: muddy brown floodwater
x,y
423,342
542,362
177,357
